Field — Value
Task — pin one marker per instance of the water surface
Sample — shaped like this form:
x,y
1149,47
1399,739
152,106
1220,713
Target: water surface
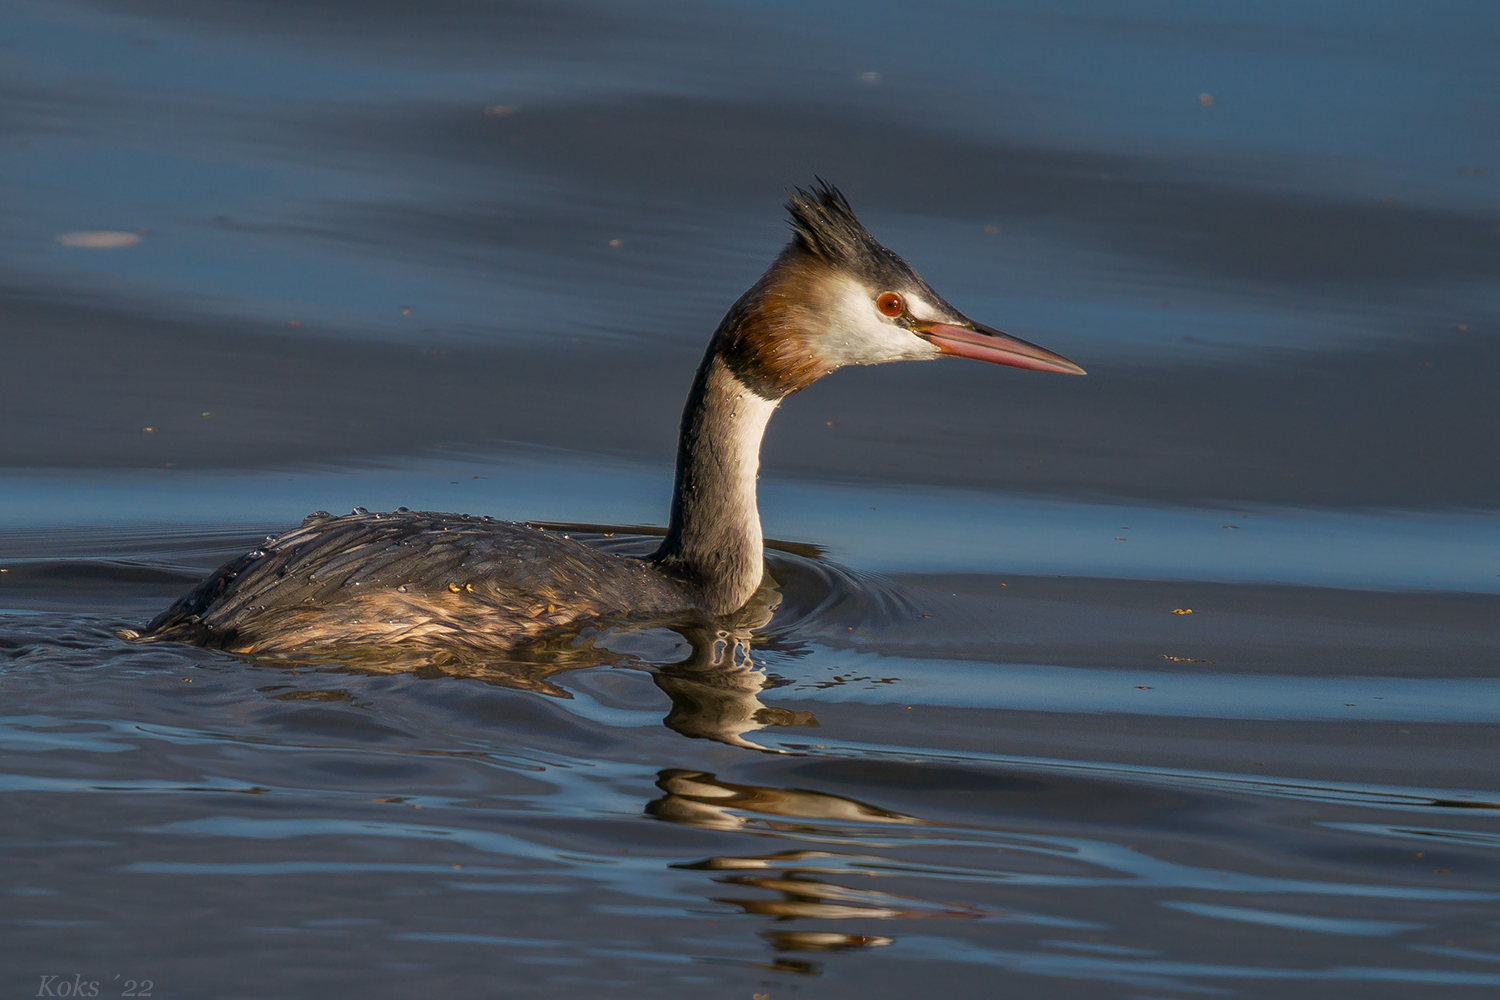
x,y
1177,679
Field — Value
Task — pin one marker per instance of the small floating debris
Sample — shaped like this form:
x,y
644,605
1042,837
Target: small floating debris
x,y
1182,611
99,239
1207,100
1183,659
499,110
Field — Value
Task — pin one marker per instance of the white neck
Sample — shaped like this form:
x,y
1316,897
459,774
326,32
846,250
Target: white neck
x,y
714,544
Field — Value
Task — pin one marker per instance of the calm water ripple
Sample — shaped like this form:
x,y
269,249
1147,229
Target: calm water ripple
x,y
270,781
1180,679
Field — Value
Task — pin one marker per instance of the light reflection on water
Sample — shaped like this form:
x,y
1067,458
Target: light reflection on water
x,y
370,789
837,875
1147,692
1304,801
912,529
373,788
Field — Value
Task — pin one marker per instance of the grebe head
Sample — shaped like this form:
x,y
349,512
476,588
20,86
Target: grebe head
x,y
836,297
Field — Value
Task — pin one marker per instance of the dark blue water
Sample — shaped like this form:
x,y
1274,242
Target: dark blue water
x,y
1177,679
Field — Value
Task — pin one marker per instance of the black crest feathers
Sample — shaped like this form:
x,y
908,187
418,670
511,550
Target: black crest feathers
x,y
824,225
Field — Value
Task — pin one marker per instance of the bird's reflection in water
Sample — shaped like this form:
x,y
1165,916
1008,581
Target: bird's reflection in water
x,y
715,690
696,798
796,879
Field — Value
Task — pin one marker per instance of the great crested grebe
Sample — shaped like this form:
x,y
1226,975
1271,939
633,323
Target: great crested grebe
x,y
417,580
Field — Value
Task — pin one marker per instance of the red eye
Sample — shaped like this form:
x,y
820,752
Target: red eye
x,y
890,304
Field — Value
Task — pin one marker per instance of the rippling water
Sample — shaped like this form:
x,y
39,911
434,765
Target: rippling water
x,y
1178,679
1293,785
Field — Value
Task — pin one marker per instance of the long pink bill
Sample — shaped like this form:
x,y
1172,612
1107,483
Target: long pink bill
x,y
984,344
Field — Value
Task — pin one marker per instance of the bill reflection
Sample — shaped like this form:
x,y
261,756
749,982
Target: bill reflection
x,y
794,885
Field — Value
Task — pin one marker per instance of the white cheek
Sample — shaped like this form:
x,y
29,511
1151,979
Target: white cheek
x,y
861,336
920,309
